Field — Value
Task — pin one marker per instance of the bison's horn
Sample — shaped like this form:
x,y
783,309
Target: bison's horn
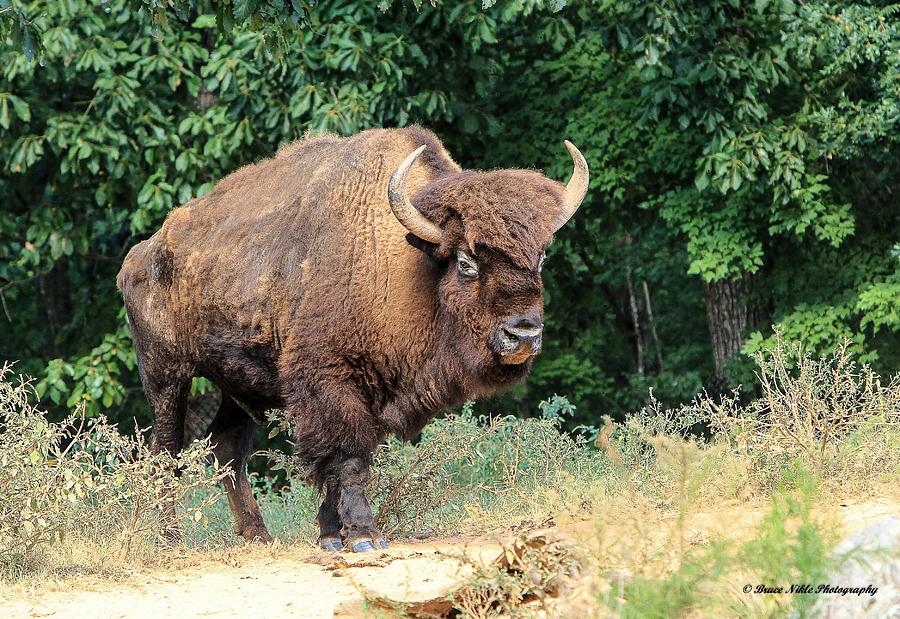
x,y
404,211
575,189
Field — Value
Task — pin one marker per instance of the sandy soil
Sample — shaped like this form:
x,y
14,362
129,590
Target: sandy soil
x,y
285,582
262,583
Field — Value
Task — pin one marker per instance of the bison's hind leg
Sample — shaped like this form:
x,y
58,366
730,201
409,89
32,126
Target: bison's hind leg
x,y
167,392
328,519
232,433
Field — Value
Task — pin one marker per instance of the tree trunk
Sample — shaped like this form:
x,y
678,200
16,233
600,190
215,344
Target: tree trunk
x,y
635,320
652,322
726,316
55,305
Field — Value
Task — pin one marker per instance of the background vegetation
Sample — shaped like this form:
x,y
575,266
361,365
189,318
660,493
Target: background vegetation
x,y
744,163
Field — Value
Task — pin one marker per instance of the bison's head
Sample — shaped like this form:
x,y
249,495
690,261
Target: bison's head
x,y
487,233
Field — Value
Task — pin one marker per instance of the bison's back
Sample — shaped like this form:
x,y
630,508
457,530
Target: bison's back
x,y
302,245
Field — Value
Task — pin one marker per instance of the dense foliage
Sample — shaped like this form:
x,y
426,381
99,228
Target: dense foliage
x,y
744,164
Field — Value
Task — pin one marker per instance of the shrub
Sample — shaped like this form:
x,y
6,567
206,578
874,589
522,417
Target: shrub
x,y
467,472
834,416
80,481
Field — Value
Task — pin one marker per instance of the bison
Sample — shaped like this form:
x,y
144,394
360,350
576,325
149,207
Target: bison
x,y
362,284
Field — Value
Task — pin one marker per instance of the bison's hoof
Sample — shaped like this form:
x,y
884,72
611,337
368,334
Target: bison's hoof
x,y
367,545
334,545
364,545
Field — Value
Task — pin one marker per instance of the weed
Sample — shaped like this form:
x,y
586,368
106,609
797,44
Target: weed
x,y
466,472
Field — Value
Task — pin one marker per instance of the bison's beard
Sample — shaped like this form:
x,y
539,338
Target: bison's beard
x,y
497,375
518,357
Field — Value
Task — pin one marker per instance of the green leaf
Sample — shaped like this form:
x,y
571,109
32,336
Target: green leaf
x,y
205,21
487,34
4,112
736,178
21,108
29,44
244,9
701,181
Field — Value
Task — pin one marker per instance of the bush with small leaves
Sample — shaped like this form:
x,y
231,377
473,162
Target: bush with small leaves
x,y
833,416
82,479
465,470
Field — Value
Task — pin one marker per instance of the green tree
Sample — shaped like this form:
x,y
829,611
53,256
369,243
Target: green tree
x,y
774,102
744,165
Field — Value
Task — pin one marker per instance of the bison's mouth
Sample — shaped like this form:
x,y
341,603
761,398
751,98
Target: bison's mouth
x,y
517,357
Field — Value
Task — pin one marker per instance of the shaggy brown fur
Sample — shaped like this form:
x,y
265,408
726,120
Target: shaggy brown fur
x,y
292,285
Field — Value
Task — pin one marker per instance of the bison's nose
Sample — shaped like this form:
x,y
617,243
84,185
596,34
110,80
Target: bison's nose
x,y
518,338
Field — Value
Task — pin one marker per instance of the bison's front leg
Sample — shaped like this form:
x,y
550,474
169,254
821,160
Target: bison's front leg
x,y
354,509
333,430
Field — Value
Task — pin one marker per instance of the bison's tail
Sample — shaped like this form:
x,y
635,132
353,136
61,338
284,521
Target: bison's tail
x,y
148,262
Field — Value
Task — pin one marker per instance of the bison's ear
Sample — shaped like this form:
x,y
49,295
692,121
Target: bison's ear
x,y
426,247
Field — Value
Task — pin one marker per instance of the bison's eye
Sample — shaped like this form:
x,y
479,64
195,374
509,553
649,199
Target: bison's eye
x,y
466,264
541,262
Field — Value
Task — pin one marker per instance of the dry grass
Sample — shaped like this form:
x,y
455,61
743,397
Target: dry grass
x,y
830,416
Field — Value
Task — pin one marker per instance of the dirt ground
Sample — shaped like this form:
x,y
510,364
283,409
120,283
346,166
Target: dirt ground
x,y
298,583
260,582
